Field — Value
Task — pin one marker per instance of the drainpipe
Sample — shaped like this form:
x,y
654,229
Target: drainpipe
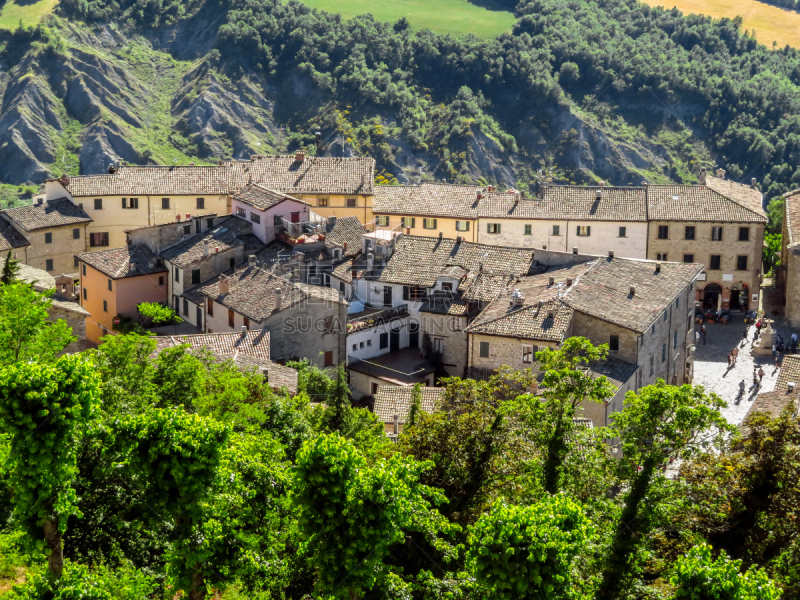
x,y
566,239
148,211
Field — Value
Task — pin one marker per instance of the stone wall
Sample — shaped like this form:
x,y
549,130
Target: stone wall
x,y
450,330
61,250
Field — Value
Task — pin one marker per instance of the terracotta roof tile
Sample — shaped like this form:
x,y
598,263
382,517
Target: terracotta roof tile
x,y
792,217
746,195
128,261
427,199
177,180
346,230
54,213
572,202
254,343
10,238
698,203
261,197
446,305
344,271
790,371
229,233
314,175
549,321
391,400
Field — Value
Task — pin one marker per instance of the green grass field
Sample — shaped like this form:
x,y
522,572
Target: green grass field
x,y
30,14
442,16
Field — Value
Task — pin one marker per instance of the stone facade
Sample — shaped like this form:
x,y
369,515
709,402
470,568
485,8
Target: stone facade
x,y
788,274
56,256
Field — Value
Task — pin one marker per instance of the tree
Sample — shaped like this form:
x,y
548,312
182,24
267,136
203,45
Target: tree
x,y
564,387
10,269
527,551
174,456
44,408
339,407
775,216
159,314
26,332
126,370
659,423
416,405
698,577
771,252
351,512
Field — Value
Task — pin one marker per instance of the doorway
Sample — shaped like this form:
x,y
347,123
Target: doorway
x,y
711,295
413,335
394,340
735,300
387,295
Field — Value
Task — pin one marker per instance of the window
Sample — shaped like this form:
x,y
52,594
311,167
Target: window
x,y
623,232
556,229
438,345
165,204
130,203
232,263
527,354
355,347
413,292
584,230
664,314
663,352
98,204
187,229
75,261
48,238
231,318
322,202
84,270
201,203
384,341
715,262
110,285
177,274
84,293
383,221
688,258
255,218
677,302
241,212
613,343
716,234
160,280
661,256
663,232
246,322
429,223
76,234
209,223
493,228
462,225
408,222
97,240
185,307
369,342
447,286
689,233
484,349
741,263
652,362
105,306
48,264
674,340
329,358
744,234
352,202
528,229
195,276
210,309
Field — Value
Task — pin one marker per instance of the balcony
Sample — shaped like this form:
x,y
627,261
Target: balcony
x,y
313,229
373,318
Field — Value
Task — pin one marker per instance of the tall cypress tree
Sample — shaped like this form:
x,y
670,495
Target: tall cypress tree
x,y
10,269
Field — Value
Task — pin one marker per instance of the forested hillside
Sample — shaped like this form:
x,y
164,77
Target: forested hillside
x,y
579,91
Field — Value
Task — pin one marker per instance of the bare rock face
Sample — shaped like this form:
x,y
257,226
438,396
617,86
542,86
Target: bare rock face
x,y
103,144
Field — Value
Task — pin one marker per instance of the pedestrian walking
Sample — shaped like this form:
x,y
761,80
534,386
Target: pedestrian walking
x,y
741,387
697,336
730,359
760,374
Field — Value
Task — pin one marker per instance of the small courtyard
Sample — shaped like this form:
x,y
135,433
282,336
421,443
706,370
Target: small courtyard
x,y
711,364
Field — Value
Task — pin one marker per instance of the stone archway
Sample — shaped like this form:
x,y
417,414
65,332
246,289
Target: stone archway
x,y
711,294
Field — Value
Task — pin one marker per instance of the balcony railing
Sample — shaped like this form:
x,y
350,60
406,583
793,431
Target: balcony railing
x,y
304,228
377,318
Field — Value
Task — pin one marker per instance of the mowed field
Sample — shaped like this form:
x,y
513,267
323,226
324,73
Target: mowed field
x,y
30,13
771,23
442,16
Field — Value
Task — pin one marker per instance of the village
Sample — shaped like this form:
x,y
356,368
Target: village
x,y
281,258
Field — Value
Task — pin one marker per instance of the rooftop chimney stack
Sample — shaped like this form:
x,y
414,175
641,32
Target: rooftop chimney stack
x,y
602,183
441,235
721,173
551,281
610,254
569,281
251,260
244,330
753,183
224,287
396,425
459,239
598,195
205,248
658,268
575,250
300,155
278,298
633,291
702,178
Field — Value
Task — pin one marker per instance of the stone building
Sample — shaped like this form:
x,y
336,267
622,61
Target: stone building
x,y
719,224
392,404
787,276
55,232
12,240
304,321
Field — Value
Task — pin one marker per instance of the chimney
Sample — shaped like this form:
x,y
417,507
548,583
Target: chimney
x,y
216,249
396,425
480,194
205,248
702,178
344,247
441,235
300,155
224,287
132,268
370,260
459,239
551,281
408,230
244,331
112,168
575,250
188,216
598,195
489,188
753,183
610,254
278,298
632,291
658,268
332,221
251,260
569,281
178,218
791,386
64,179
644,184
40,201
720,173
602,183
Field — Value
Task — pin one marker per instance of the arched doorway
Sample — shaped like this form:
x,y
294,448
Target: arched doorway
x,y
711,295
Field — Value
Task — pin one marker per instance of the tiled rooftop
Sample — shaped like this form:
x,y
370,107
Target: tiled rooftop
x,y
790,371
549,321
445,305
261,197
792,218
128,261
176,180
391,400
617,371
55,213
698,203
10,238
576,202
251,292
278,376
314,175
346,230
420,260
746,195
428,199
229,233
254,343
772,403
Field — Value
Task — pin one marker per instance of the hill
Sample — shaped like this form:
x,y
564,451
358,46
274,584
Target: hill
x,y
578,91
487,19
28,14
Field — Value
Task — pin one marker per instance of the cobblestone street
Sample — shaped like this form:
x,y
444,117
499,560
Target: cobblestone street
x,y
711,364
